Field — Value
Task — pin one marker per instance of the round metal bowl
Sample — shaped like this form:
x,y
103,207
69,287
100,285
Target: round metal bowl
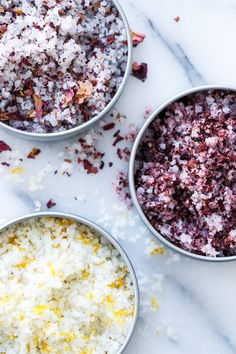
x,y
139,137
83,127
108,237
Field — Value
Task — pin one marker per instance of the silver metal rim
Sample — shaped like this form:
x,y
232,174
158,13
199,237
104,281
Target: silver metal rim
x,y
107,236
154,232
84,126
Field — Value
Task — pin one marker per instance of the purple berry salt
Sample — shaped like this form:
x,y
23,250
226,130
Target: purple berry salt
x,y
61,62
186,173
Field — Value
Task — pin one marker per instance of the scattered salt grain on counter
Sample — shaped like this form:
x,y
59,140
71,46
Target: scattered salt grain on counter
x,y
61,62
35,181
167,329
37,205
153,248
64,288
186,170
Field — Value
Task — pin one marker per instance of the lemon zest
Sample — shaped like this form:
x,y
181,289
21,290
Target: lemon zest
x,y
40,309
117,283
121,312
154,303
17,170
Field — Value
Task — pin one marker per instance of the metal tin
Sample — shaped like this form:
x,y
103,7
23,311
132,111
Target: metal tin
x,y
154,232
108,237
83,127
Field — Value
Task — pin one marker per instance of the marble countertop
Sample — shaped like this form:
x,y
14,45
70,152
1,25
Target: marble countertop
x,y
196,301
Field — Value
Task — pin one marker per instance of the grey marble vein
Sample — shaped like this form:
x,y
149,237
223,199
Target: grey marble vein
x,y
194,77
187,293
25,198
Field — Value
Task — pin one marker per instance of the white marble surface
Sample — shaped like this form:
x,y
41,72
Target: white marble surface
x,y
197,300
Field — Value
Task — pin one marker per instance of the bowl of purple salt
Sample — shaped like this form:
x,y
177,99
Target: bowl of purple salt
x,y
183,173
63,64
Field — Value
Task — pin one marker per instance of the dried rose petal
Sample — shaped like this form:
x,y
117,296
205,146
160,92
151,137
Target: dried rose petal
x,y
38,106
137,38
37,72
28,92
3,29
33,153
31,114
110,39
109,126
85,90
4,146
19,12
5,164
89,167
50,204
140,71
5,116
120,117
69,95
124,154
118,138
